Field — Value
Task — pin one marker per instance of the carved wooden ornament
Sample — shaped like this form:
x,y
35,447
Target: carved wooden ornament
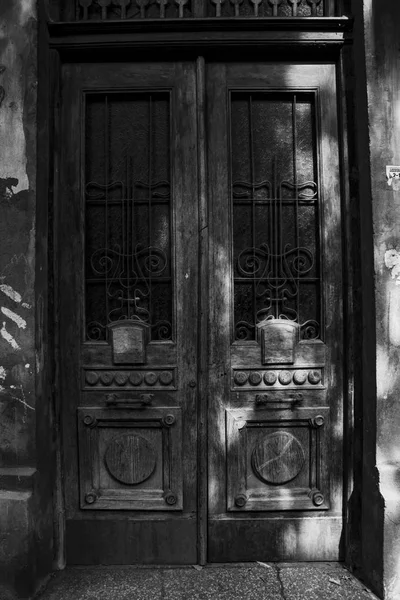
x,y
278,339
129,339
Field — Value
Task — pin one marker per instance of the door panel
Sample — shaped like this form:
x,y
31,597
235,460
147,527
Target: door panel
x,y
275,430
127,246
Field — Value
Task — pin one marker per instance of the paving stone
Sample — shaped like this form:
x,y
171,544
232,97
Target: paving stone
x,y
105,583
221,583
249,581
320,582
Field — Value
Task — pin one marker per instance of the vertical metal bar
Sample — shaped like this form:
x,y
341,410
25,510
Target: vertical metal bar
x,y
275,249
330,8
106,167
131,189
297,233
149,201
125,194
199,8
253,208
270,273
203,337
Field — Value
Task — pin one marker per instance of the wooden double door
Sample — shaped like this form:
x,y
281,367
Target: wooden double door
x,y
199,307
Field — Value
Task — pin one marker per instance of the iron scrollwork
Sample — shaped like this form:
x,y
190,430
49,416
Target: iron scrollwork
x,y
276,236
128,248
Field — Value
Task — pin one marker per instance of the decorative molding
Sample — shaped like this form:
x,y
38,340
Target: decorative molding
x,y
120,450
206,33
250,379
116,379
267,451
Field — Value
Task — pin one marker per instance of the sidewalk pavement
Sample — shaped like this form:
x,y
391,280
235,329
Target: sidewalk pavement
x,y
244,581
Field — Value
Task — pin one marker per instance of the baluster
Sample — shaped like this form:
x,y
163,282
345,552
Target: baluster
x,y
275,4
123,5
163,4
181,4
142,5
85,5
218,6
314,5
256,5
236,4
295,4
104,4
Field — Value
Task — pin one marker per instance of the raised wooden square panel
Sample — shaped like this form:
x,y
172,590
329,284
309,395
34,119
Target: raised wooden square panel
x,y
130,459
277,461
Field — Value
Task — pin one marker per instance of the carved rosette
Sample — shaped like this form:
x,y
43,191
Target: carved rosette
x,y
240,500
170,498
278,378
118,378
318,498
90,498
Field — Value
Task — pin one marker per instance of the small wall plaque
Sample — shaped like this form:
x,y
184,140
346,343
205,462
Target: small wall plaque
x,y
392,172
278,339
129,339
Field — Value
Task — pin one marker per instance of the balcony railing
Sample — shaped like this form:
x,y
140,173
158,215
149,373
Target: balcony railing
x,y
106,10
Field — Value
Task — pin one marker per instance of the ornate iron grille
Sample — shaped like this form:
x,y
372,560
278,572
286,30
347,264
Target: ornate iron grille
x,y
276,245
128,269
154,9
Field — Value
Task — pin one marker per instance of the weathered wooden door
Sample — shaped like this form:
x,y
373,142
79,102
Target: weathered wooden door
x,y
127,255
275,402
129,283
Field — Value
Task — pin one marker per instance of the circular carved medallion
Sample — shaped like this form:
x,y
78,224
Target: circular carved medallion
x,y
120,378
106,378
92,377
240,377
135,378
285,377
150,378
255,378
165,377
314,377
130,459
278,458
270,377
300,377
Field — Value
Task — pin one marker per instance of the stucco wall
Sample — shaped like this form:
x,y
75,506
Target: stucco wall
x,y
24,519
377,124
382,19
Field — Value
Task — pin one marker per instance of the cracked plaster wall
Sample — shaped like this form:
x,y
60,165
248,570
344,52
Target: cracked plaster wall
x,y
26,518
18,81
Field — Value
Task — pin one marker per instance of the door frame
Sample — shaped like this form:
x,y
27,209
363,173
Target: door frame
x,y
67,46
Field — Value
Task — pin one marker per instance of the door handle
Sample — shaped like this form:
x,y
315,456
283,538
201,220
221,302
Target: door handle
x,y
138,401
295,398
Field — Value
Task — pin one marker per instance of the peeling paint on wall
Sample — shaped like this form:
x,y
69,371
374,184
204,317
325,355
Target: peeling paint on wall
x,y
14,317
8,291
3,374
8,337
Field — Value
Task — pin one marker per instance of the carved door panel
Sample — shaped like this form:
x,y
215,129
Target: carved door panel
x,y
275,404
127,246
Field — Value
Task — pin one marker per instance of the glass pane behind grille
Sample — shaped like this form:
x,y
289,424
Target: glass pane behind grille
x,y
127,212
276,247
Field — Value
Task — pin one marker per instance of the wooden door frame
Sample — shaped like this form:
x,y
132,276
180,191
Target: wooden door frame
x,y
73,42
